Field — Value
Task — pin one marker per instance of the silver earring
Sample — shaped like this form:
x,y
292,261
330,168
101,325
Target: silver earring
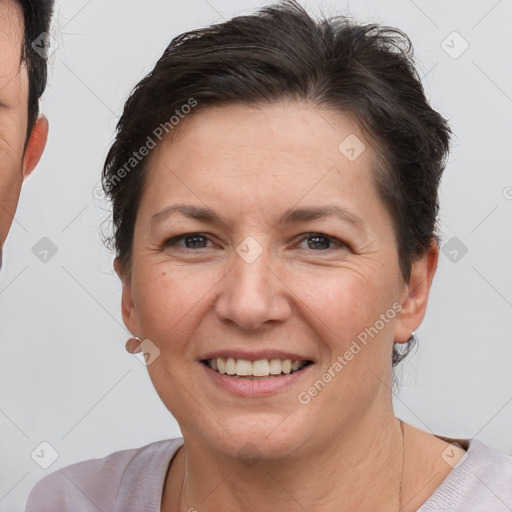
x,y
133,345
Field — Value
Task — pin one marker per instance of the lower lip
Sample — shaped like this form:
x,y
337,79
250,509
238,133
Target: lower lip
x,y
255,388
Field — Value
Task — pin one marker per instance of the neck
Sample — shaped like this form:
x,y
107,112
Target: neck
x,y
360,470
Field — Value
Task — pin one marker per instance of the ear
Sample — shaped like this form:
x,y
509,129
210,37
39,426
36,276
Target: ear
x,y
35,145
127,304
415,295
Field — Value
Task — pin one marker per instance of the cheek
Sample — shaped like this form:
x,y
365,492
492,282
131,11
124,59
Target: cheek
x,y
344,300
11,179
170,303
13,132
12,141
347,307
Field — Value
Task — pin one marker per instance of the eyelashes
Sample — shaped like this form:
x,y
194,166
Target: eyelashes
x,y
174,240
320,236
194,242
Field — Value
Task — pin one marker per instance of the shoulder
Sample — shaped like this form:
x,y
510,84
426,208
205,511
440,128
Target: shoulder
x,y
126,476
482,480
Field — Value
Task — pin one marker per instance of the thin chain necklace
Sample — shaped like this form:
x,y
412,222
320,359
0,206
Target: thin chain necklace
x,y
402,468
401,426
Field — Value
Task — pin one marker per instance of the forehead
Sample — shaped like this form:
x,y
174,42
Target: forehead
x,y
270,144
289,122
257,162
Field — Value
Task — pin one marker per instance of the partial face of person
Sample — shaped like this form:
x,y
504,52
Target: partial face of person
x,y
15,163
260,238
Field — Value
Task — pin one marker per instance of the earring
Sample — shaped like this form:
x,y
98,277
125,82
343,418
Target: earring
x,y
133,345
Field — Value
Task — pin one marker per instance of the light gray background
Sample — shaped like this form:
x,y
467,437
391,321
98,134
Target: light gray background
x,y
64,375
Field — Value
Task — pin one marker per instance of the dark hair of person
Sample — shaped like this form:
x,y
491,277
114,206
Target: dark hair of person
x,y
37,15
281,53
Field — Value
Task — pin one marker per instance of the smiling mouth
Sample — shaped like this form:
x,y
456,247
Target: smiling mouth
x,y
255,370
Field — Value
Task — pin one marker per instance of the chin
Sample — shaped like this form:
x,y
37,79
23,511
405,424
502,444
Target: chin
x,y
251,436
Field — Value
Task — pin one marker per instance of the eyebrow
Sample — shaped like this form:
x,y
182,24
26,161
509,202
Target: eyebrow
x,y
291,216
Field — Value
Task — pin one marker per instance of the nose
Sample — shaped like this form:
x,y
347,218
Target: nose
x,y
252,294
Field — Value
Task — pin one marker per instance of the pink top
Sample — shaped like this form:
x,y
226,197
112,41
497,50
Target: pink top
x,y
133,480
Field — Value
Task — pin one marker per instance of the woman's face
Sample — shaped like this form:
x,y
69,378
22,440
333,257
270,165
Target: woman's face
x,y
262,279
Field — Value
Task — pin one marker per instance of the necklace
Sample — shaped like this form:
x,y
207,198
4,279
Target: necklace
x,y
402,468
182,487
402,435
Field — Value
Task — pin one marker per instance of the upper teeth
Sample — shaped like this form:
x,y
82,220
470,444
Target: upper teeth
x,y
260,368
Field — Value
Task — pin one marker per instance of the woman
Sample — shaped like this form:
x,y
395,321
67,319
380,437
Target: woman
x,y
274,187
